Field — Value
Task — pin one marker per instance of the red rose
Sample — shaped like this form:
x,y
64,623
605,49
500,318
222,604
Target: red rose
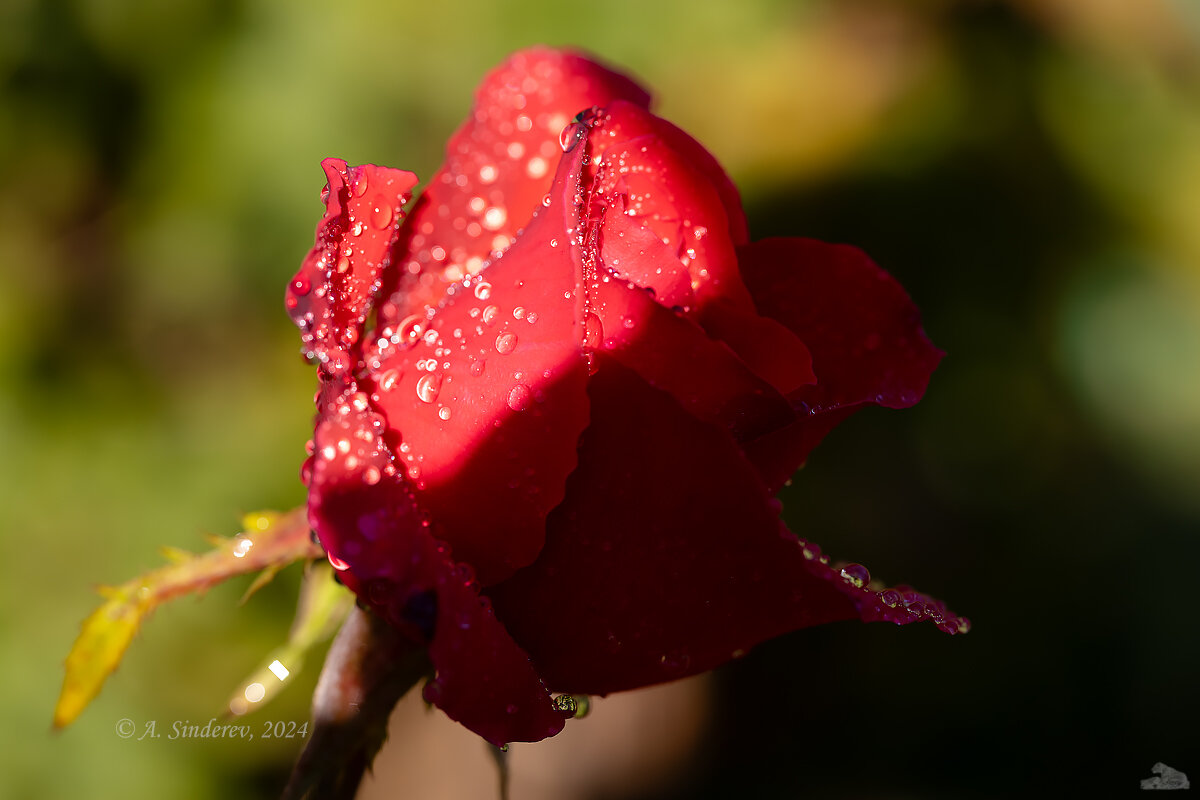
x,y
550,457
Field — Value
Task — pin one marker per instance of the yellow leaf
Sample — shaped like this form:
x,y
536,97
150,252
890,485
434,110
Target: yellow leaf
x,y
272,540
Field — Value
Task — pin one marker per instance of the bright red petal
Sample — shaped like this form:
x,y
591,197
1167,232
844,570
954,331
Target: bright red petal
x,y
669,221
862,329
667,557
331,295
487,398
499,166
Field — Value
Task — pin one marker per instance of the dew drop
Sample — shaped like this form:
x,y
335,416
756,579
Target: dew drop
x,y
519,312
483,290
409,330
519,397
337,563
856,575
890,598
343,265
488,173
359,187
381,213
489,314
593,331
428,387
571,136
387,381
477,368
242,546
506,343
444,412
371,476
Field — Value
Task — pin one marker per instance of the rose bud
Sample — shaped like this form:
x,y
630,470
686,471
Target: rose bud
x,y
558,396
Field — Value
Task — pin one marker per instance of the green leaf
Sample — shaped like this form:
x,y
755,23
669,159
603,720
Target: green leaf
x,y
270,540
323,605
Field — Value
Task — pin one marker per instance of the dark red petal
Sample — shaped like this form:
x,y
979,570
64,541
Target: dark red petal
x,y
667,557
487,399
499,166
768,348
331,295
377,536
674,354
862,329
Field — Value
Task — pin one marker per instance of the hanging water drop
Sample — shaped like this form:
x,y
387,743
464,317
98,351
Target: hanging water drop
x,y
856,575
571,136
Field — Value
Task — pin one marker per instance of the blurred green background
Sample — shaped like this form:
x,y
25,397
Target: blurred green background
x,y
1030,170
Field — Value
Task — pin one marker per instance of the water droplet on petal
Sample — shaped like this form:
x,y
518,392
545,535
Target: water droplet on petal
x,y
444,412
856,575
337,563
428,387
506,343
519,397
410,329
381,213
890,598
571,136
371,476
593,331
387,381
301,286
489,314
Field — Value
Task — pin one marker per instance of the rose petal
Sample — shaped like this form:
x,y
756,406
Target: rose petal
x,y
654,182
674,354
331,295
488,399
378,537
499,166
667,557
643,177
862,329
